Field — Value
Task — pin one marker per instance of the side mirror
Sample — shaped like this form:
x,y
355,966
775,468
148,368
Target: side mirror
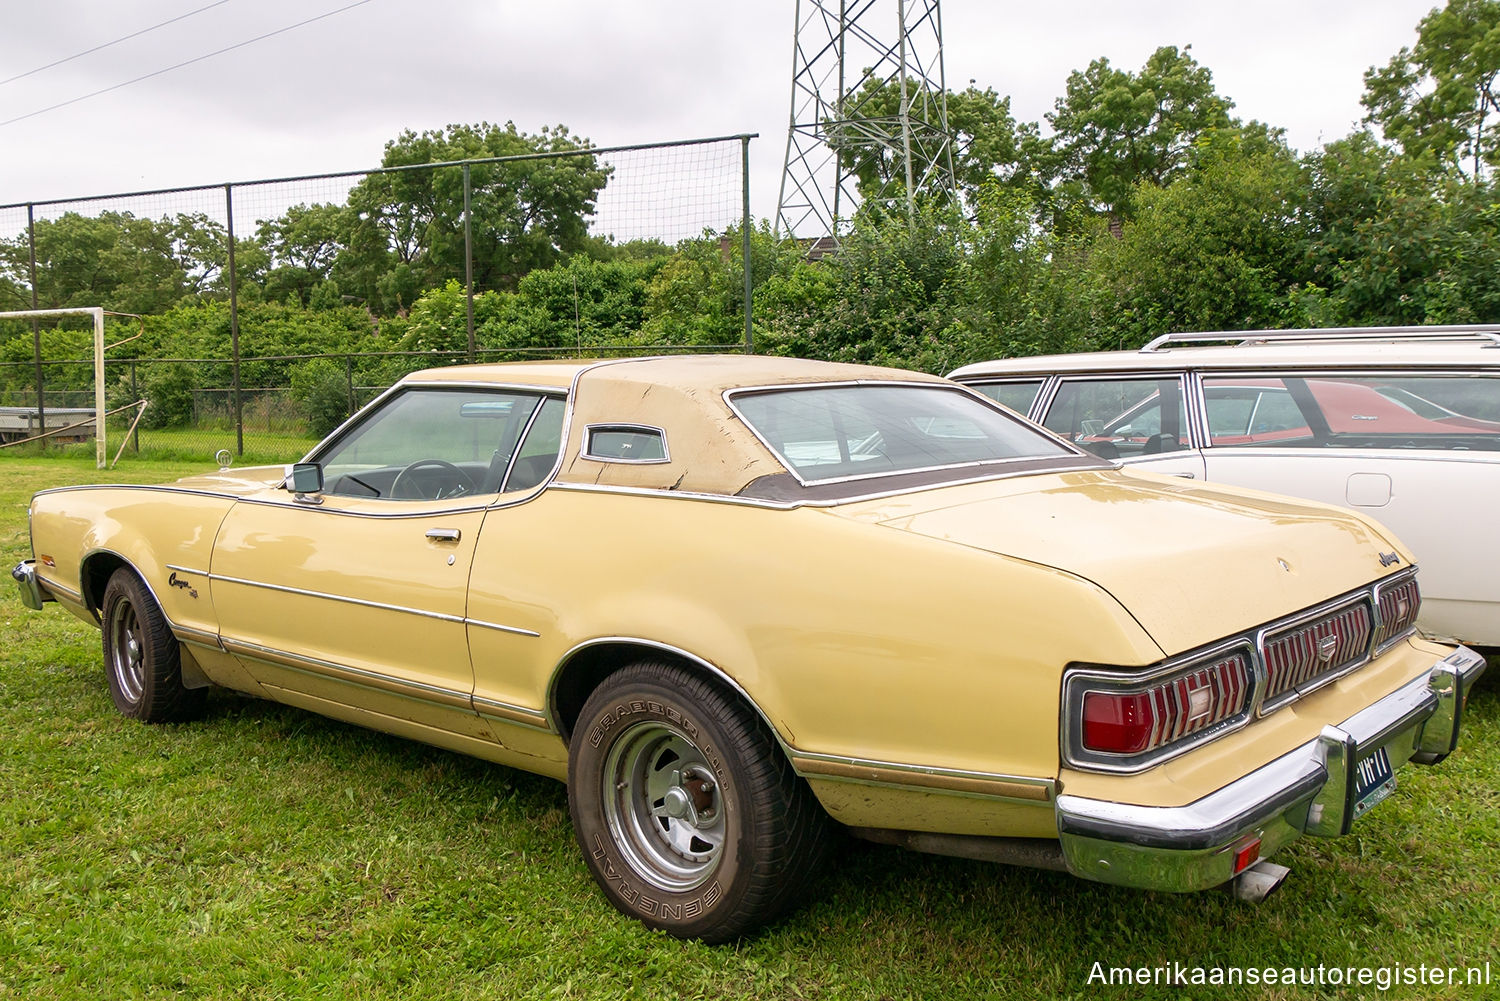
x,y
305,478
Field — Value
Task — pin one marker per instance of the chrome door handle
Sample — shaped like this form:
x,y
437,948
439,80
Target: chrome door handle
x,y
1185,476
443,534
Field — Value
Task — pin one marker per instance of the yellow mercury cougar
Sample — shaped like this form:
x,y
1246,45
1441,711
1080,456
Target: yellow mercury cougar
x,y
740,603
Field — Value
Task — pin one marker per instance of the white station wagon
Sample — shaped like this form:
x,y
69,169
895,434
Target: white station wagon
x,y
1401,423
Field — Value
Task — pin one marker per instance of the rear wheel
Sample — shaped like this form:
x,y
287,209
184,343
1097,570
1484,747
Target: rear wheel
x,y
689,815
141,656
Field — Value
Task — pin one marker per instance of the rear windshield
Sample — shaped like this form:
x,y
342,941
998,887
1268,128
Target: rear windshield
x,y
827,433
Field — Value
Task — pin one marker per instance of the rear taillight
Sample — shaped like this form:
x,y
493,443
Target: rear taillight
x,y
1143,719
1399,604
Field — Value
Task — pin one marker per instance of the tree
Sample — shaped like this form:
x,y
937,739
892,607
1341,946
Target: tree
x,y
301,246
1436,99
1215,250
405,227
1392,241
987,143
1114,129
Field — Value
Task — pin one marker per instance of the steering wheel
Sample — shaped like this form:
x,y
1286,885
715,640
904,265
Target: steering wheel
x,y
463,483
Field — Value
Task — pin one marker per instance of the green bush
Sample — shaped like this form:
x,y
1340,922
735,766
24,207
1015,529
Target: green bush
x,y
320,389
170,390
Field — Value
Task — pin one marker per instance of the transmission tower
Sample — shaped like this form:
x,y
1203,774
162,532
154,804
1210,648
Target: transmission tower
x,y
868,101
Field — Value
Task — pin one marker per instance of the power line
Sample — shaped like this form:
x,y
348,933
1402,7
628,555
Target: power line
x,y
185,62
117,41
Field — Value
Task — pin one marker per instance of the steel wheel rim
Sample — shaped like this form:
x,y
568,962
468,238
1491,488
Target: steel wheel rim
x,y
664,807
126,653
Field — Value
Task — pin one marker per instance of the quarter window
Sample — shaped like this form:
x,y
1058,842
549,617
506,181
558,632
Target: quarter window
x,y
626,443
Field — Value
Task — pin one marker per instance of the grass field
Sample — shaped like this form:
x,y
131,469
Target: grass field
x,y
263,852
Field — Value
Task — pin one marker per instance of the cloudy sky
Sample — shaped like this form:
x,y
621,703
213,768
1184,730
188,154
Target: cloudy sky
x,y
327,95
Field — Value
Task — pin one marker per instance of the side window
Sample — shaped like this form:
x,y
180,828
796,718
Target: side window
x,y
428,444
625,443
1018,396
538,452
1393,410
1120,418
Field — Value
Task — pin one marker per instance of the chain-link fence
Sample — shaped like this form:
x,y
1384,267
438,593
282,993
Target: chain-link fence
x,y
261,311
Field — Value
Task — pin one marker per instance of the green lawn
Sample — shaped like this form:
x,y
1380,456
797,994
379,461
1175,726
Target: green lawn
x,y
263,852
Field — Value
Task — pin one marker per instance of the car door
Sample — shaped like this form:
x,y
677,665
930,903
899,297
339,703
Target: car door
x,y
1142,421
1419,453
357,596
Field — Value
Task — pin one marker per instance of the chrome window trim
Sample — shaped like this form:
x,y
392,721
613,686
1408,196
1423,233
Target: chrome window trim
x,y
588,442
1076,677
541,392
664,493
510,462
792,387
402,384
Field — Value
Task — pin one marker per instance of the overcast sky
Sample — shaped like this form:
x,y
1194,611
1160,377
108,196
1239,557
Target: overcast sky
x,y
326,96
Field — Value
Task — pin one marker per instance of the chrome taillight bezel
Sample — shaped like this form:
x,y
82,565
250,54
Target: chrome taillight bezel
x,y
1080,681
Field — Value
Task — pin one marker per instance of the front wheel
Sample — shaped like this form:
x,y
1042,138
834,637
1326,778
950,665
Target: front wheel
x,y
688,814
141,657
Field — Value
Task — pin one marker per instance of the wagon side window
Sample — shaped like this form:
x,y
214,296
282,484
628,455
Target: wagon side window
x,y
1391,410
1120,418
1017,395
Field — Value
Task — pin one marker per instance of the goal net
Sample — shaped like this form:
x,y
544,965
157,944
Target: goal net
x,y
21,420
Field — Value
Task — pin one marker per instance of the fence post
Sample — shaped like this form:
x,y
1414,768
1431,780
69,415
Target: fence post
x,y
745,236
135,397
469,265
234,324
349,380
36,328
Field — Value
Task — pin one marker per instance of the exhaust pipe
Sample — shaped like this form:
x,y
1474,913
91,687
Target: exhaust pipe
x,y
1259,881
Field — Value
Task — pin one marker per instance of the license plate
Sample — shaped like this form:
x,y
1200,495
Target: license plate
x,y
1374,780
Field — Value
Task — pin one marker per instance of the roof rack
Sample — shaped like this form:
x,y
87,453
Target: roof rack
x,y
1481,332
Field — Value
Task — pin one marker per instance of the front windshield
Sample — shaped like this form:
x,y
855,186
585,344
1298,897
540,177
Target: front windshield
x,y
827,433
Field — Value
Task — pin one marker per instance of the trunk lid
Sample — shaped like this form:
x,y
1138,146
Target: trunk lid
x,y
1192,563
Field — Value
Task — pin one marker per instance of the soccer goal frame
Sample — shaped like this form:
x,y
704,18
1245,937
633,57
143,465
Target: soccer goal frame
x,y
97,312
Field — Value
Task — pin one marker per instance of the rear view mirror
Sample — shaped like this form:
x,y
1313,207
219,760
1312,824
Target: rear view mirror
x,y
305,478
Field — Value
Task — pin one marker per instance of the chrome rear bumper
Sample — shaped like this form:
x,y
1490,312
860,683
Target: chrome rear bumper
x,y
1309,790
32,593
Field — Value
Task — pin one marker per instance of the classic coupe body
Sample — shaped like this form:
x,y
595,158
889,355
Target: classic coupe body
x,y
737,602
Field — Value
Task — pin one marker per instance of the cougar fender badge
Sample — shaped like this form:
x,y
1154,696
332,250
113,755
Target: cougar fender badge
x,y
1389,559
176,581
